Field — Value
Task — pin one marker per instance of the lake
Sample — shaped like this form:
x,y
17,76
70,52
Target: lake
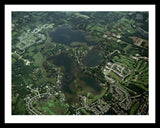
x,y
74,82
93,58
65,35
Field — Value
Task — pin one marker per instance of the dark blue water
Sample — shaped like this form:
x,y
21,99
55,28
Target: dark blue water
x,y
93,58
65,35
72,73
91,82
67,64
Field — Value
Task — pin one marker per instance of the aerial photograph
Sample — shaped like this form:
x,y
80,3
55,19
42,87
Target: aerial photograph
x,y
80,63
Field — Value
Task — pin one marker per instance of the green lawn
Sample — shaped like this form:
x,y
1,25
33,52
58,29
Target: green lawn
x,y
83,44
134,108
51,106
94,98
129,90
124,61
128,47
115,76
140,86
84,112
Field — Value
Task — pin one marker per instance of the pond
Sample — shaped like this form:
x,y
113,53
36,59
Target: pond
x,y
93,58
62,60
65,35
74,82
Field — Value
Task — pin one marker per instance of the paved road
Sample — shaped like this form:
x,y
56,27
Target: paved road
x,y
114,52
31,108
